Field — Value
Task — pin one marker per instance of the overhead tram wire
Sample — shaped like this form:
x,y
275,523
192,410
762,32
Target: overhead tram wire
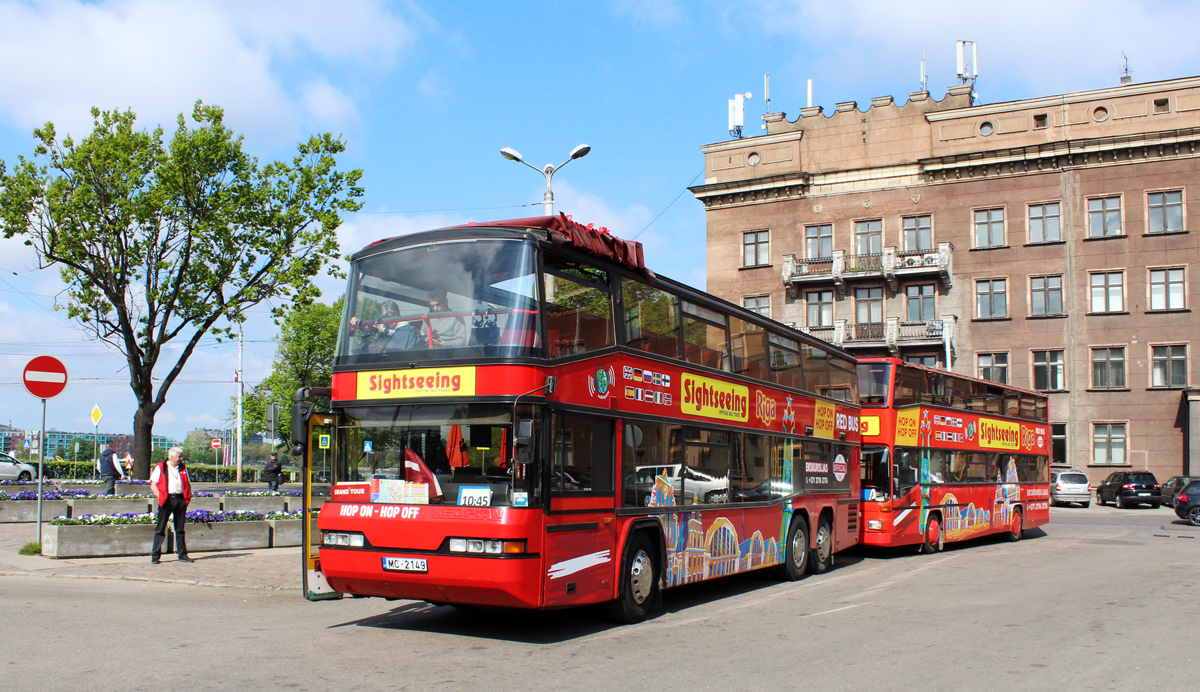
x,y
669,205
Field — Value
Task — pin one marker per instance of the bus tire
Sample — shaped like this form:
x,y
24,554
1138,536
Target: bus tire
x,y
935,539
795,551
1017,529
638,592
823,555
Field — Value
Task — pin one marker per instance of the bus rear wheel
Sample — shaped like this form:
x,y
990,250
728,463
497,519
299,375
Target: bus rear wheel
x,y
823,556
934,539
1017,529
638,593
795,551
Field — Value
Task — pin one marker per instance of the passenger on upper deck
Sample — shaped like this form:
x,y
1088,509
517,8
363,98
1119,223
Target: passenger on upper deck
x,y
374,335
447,332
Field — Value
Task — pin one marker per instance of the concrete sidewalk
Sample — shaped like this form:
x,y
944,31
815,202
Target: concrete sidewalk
x,y
273,568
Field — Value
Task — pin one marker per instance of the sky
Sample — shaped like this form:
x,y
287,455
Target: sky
x,y
425,94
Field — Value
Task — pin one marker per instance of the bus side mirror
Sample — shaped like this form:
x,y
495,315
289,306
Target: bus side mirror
x,y
523,442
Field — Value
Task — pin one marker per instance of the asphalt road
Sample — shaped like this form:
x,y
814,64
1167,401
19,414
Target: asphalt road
x,y
1101,599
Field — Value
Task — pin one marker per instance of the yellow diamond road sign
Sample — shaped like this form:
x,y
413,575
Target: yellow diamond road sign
x,y
96,415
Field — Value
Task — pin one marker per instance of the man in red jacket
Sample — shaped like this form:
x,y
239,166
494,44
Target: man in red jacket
x,y
173,489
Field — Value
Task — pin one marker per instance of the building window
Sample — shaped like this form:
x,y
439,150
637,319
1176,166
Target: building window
x,y
1045,295
1048,371
991,299
818,241
1162,106
755,249
759,304
1108,368
1104,217
1166,211
1108,292
1168,366
926,360
868,305
868,237
918,233
1058,443
820,308
1167,289
1108,444
989,227
1041,120
993,367
919,301
1044,223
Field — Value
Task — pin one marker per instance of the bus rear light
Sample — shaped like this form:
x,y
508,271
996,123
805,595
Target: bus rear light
x,y
347,540
874,524
486,546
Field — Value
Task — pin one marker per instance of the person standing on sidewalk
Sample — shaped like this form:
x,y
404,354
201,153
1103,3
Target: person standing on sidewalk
x,y
173,489
271,473
110,469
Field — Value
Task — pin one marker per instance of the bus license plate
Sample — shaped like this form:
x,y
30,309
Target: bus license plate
x,y
405,564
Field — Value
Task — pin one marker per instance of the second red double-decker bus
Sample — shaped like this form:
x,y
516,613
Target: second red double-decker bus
x,y
525,416
948,457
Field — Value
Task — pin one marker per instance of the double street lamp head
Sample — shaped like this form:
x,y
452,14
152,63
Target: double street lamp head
x,y
548,199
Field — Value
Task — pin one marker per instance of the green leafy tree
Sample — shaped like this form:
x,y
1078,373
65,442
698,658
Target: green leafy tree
x,y
304,358
159,241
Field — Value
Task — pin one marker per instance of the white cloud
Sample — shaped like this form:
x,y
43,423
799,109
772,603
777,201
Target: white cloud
x,y
60,58
1028,47
327,104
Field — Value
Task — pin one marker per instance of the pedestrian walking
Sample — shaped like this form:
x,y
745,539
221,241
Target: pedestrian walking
x,y
173,489
110,469
271,473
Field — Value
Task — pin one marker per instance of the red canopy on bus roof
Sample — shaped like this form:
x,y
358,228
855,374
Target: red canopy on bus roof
x,y
589,239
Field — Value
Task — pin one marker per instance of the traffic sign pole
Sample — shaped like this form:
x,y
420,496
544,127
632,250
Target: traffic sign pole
x,y
44,377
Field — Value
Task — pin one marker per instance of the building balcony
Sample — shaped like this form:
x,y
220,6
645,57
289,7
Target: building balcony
x,y
891,334
893,265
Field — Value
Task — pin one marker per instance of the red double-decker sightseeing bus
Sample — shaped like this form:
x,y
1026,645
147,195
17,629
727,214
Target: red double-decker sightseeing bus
x,y
947,457
523,415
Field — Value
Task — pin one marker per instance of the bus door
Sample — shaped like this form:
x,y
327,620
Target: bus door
x,y
315,442
580,547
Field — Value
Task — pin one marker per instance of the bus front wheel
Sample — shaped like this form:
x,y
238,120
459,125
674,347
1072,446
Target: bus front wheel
x,y
1017,530
934,540
638,594
795,553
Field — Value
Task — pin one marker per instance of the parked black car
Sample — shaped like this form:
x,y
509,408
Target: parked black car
x,y
1187,505
1172,487
1125,488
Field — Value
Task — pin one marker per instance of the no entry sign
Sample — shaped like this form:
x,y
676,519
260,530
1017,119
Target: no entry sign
x,y
216,443
45,377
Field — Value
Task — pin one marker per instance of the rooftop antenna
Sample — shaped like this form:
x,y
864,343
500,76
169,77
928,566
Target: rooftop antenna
x,y
737,114
924,77
810,93
1126,73
968,72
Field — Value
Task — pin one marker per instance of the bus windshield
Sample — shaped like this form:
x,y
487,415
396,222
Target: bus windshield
x,y
446,454
430,302
874,380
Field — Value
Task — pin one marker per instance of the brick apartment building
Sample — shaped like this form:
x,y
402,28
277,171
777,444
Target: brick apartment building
x,y
1045,242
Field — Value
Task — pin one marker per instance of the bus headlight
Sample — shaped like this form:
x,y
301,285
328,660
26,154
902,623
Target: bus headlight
x,y
342,539
486,546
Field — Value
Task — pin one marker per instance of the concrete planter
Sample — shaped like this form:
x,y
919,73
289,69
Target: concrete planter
x,y
286,533
26,510
296,503
80,506
208,504
227,535
253,504
97,541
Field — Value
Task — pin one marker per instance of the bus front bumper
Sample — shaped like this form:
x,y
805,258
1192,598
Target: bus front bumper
x,y
509,582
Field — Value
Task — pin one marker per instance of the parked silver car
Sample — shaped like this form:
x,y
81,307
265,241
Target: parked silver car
x,y
1070,486
13,470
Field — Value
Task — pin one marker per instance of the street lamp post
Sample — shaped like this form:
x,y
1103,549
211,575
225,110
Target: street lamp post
x,y
549,171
